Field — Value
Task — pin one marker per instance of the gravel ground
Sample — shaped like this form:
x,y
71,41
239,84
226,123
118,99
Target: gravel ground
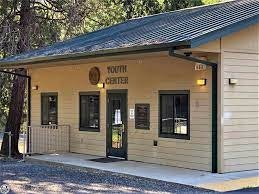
x,y
38,178
31,177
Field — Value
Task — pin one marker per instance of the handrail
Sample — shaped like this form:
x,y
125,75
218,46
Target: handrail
x,y
48,126
6,132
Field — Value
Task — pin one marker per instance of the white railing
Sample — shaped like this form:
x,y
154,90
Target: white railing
x,y
48,139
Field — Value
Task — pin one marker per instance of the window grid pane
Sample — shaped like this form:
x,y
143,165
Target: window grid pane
x,y
89,111
181,114
52,101
167,114
49,109
45,107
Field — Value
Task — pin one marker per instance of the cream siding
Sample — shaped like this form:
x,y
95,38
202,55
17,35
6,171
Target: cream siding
x,y
146,77
238,106
240,60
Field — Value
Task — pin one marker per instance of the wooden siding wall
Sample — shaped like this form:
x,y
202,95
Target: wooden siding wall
x,y
240,60
146,77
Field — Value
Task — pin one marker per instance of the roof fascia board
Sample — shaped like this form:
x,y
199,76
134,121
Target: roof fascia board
x,y
224,31
97,54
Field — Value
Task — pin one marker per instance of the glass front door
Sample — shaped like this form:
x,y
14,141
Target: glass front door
x,y
117,125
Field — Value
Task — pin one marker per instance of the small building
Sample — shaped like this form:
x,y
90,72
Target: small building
x,y
178,88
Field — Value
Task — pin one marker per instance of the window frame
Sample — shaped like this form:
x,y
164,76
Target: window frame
x,y
173,135
94,93
48,94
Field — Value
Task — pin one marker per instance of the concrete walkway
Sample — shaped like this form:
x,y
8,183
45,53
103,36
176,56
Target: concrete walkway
x,y
207,180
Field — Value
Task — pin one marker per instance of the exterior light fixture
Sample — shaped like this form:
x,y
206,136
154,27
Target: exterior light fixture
x,y
233,81
100,85
35,87
201,82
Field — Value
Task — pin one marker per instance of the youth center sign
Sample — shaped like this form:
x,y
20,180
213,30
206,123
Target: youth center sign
x,y
116,75
112,71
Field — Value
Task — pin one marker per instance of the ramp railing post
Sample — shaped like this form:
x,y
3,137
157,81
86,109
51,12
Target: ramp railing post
x,y
24,144
10,143
68,139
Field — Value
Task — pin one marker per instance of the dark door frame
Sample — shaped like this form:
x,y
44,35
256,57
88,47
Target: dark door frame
x,y
117,91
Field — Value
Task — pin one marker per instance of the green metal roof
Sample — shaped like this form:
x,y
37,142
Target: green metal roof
x,y
188,27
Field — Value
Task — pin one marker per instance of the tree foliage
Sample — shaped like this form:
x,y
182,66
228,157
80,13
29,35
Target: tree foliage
x,y
50,21
139,8
5,88
25,25
170,5
211,1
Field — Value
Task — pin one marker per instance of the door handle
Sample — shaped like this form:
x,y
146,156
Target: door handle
x,y
123,128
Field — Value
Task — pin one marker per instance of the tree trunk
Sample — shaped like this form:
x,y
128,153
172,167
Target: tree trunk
x,y
14,120
25,22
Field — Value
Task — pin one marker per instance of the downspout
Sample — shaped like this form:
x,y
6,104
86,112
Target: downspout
x,y
29,100
29,115
214,67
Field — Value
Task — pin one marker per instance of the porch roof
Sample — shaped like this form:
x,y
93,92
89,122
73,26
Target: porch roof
x,y
188,27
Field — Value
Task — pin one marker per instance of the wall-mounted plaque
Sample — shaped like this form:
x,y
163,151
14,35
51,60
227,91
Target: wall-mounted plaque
x,y
132,113
94,75
142,116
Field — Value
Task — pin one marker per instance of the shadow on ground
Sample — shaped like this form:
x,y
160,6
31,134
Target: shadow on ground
x,y
38,178
43,178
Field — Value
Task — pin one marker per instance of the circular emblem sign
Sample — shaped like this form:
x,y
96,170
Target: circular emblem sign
x,y
94,75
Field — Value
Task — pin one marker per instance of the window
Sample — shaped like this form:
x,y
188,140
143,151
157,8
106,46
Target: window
x,y
174,114
49,109
89,111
